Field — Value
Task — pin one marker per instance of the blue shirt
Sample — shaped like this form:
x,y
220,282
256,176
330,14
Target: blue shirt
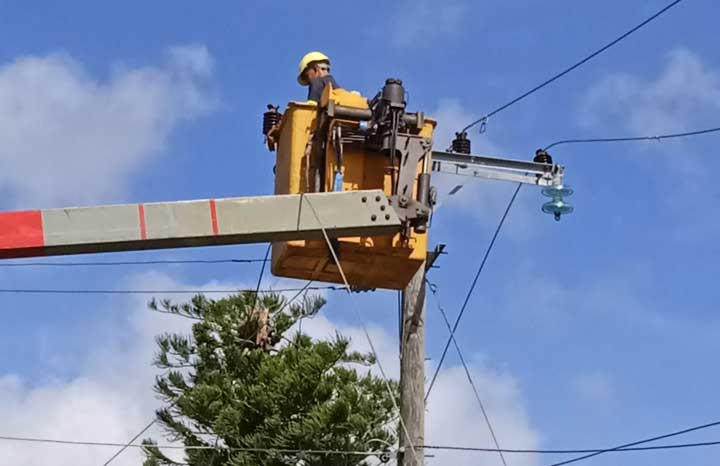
x,y
317,86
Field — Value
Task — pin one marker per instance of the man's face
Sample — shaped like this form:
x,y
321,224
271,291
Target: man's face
x,y
311,73
316,71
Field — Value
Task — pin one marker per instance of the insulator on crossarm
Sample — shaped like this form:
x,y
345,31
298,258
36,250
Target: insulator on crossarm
x,y
542,156
557,206
461,143
271,118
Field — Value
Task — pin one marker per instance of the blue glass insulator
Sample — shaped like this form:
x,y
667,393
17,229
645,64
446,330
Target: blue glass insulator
x,y
557,207
557,191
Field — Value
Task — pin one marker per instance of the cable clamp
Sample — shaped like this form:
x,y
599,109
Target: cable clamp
x,y
483,124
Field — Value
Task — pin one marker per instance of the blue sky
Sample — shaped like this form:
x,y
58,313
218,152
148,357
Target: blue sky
x,y
593,331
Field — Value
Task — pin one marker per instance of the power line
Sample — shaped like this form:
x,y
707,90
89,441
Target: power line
x,y
472,288
303,292
174,291
639,442
658,138
571,68
674,446
260,277
433,289
368,453
132,444
360,318
122,263
296,295
151,423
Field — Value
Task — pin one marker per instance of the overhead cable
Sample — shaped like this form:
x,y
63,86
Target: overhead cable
x,y
260,277
130,443
634,448
359,317
559,75
674,446
192,447
472,288
173,291
127,445
296,295
433,290
639,442
658,138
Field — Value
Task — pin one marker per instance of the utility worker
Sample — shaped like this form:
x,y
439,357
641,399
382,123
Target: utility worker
x,y
314,72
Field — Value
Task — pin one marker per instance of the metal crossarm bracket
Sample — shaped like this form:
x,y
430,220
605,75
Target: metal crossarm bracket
x,y
205,222
518,171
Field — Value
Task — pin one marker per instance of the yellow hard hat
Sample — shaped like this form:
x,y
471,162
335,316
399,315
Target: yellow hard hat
x,y
306,60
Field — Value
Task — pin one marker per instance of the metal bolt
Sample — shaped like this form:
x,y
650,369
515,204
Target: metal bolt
x,y
382,207
373,217
387,216
364,199
377,198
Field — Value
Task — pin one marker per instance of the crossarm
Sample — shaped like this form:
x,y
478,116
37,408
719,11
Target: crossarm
x,y
493,168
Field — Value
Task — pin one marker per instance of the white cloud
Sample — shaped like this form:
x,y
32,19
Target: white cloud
x,y
112,399
452,117
85,408
68,137
386,347
684,96
419,21
595,387
454,417
480,199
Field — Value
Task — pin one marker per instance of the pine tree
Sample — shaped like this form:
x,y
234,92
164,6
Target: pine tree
x,y
242,381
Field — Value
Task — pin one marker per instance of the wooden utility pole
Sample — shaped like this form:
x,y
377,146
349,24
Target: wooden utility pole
x,y
412,372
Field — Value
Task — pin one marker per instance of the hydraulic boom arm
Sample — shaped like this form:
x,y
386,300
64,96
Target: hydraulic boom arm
x,y
207,222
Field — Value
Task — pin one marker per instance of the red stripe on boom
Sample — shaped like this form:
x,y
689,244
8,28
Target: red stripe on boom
x,y
143,226
21,229
213,217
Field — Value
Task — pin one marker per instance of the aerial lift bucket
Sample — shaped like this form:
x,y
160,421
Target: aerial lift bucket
x,y
344,164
